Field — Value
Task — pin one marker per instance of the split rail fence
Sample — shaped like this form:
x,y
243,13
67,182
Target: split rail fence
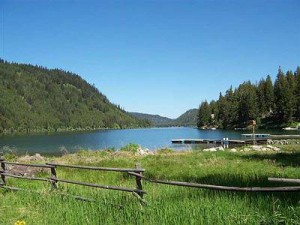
x,y
138,191
137,172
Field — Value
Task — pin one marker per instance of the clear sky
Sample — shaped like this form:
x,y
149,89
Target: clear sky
x,y
160,57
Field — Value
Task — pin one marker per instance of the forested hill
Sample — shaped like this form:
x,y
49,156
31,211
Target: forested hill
x,y
156,120
271,104
189,118
36,99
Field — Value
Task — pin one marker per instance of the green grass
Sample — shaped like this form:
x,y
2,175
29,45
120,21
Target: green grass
x,y
166,204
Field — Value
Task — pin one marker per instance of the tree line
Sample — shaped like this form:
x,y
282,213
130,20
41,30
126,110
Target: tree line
x,y
37,99
271,104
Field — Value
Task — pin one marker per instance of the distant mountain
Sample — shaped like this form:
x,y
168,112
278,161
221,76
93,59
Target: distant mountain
x,y
189,118
155,120
37,99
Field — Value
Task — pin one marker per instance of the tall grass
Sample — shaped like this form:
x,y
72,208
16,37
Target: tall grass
x,y
166,204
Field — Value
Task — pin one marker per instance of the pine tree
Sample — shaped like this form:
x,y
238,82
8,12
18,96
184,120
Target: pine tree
x,y
269,94
297,92
247,105
261,95
291,93
228,109
283,97
204,114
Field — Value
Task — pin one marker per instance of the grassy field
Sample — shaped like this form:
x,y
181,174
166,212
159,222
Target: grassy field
x,y
166,204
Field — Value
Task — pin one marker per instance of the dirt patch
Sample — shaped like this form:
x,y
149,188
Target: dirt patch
x,y
26,170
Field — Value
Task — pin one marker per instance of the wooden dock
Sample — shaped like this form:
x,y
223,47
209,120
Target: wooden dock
x,y
217,142
281,137
246,140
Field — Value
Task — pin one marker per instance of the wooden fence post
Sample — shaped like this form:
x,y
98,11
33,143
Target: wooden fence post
x,y
3,168
53,176
139,185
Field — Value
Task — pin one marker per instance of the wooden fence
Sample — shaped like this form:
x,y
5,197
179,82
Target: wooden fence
x,y
228,188
138,174
138,191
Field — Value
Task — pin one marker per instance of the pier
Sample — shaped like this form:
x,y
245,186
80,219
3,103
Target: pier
x,y
246,140
218,142
280,137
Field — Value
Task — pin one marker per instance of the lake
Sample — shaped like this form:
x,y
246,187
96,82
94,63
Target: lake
x,y
151,138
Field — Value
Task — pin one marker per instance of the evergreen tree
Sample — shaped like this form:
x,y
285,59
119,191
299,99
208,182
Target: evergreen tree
x,y
297,92
269,94
204,114
232,101
261,95
247,105
227,109
222,110
291,92
265,95
283,97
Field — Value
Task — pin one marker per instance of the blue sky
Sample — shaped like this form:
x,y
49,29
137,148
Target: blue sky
x,y
160,57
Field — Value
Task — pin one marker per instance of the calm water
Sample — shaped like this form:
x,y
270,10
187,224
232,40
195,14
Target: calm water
x,y
151,138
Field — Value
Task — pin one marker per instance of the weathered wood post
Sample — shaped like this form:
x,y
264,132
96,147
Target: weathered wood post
x,y
3,168
53,176
253,123
139,185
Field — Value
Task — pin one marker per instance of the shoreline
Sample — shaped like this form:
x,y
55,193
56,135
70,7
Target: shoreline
x,y
142,152
86,130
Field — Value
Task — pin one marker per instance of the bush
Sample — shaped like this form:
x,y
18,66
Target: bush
x,y
8,152
10,156
130,148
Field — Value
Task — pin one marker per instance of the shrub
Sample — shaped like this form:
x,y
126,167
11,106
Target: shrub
x,y
130,148
10,156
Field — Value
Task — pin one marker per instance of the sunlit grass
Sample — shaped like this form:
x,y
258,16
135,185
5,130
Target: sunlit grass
x,y
166,204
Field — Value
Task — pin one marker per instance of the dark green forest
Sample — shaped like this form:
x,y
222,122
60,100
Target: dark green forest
x,y
37,99
272,104
155,120
187,119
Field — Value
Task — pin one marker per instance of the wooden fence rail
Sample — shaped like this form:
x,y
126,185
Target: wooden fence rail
x,y
99,186
24,177
221,188
29,165
54,180
137,172
284,180
96,168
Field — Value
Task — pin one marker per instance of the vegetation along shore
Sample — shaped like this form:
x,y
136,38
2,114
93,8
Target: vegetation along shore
x,y
242,167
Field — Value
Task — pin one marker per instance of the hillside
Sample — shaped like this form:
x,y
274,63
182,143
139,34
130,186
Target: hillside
x,y
37,99
155,120
188,118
